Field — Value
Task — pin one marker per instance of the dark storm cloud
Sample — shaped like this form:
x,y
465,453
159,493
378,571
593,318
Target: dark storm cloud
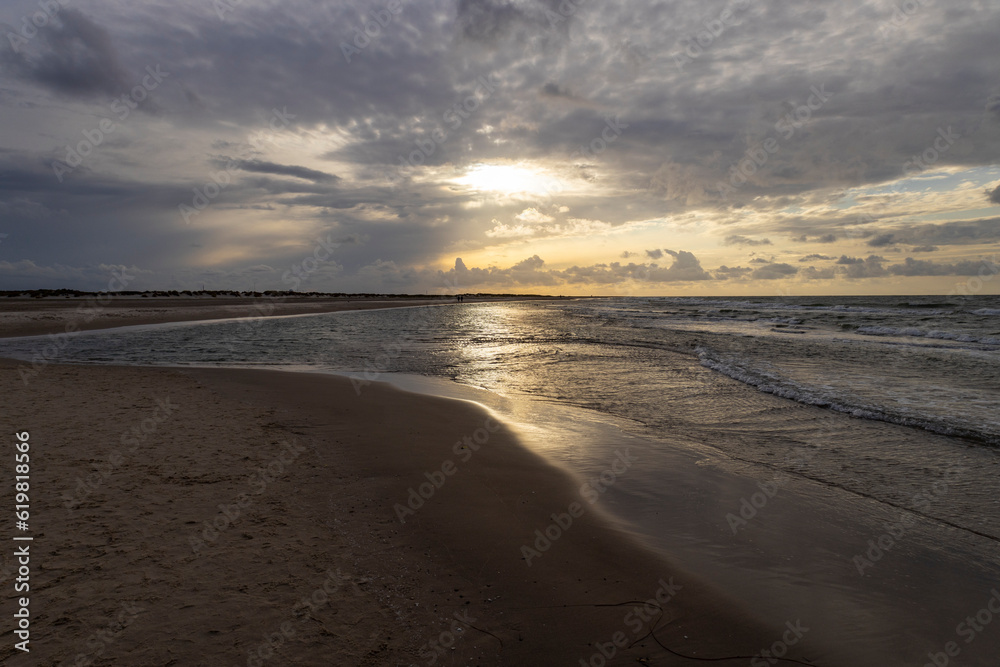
x,y
490,20
554,90
994,195
942,234
265,167
75,56
487,19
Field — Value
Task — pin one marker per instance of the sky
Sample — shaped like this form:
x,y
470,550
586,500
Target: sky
x,y
682,147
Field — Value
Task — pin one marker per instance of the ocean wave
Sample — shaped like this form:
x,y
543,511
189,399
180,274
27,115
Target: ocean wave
x,y
921,333
987,311
771,383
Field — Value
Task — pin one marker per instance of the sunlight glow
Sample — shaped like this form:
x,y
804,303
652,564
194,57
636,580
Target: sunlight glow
x,y
507,179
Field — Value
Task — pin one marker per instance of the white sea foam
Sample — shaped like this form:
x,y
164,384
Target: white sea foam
x,y
921,333
771,383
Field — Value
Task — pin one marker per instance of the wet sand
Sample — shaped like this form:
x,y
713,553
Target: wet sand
x,y
238,516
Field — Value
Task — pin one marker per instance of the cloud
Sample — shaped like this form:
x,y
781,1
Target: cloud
x,y
685,267
961,232
654,254
774,272
825,238
855,268
77,58
418,79
527,272
925,248
812,273
810,258
502,231
491,20
27,274
533,215
882,240
532,272
728,273
264,167
736,239
917,267
554,90
994,195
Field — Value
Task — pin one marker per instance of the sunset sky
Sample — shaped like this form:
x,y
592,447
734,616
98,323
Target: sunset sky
x,y
683,147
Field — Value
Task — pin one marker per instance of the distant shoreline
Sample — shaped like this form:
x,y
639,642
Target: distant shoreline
x,y
91,311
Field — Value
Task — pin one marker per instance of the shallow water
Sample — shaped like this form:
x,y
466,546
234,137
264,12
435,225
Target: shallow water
x,y
858,413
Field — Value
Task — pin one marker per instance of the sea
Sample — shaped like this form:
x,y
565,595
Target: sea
x,y
831,460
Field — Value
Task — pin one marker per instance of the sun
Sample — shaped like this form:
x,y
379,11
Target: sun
x,y
508,179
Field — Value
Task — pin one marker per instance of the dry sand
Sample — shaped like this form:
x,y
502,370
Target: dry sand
x,y
135,561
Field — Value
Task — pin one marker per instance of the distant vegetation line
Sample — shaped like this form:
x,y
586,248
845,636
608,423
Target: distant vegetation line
x,y
72,293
